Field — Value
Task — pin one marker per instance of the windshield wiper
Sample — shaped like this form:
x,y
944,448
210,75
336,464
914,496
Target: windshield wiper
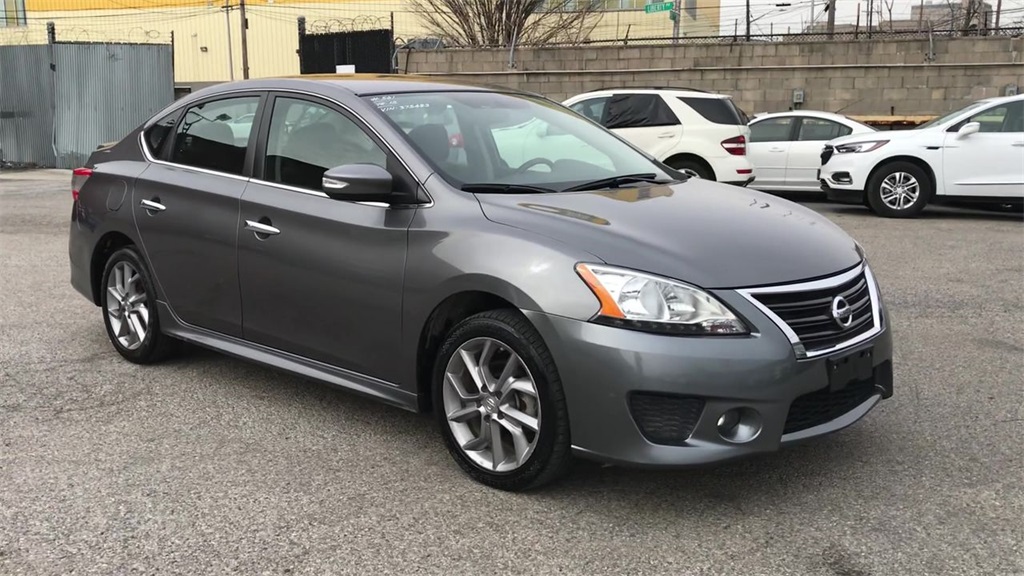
x,y
617,181
497,188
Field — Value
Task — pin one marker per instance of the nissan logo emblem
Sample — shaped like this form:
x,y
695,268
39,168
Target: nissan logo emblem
x,y
841,312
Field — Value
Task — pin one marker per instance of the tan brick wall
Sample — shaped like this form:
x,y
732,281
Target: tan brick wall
x,y
858,77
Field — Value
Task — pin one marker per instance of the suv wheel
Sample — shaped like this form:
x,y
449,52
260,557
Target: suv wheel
x,y
899,190
499,402
691,167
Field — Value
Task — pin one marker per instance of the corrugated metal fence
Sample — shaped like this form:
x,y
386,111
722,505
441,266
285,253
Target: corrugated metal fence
x,y
59,101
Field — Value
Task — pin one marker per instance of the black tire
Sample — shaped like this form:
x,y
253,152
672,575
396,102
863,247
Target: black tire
x,y
874,191
551,457
155,346
691,166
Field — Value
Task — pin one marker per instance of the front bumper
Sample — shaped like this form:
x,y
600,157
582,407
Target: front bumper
x,y
844,177
602,368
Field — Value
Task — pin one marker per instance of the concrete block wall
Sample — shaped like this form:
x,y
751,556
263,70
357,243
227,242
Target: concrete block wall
x,y
857,77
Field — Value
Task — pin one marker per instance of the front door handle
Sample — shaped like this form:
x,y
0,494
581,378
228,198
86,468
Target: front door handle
x,y
1018,144
152,206
777,149
261,229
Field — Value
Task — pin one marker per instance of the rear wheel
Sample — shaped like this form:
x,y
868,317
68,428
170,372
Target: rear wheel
x,y
129,309
691,167
499,403
899,190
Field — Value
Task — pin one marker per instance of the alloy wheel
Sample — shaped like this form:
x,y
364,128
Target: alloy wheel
x,y
492,406
127,305
900,190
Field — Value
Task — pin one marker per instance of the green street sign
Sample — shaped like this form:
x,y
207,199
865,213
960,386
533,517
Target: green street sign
x,y
659,7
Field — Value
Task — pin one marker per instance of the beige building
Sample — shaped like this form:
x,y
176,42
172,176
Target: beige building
x,y
207,33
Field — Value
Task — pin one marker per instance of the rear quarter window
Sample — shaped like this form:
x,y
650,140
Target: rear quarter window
x,y
716,110
157,134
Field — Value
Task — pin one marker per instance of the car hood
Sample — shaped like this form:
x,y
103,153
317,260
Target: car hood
x,y
891,135
705,233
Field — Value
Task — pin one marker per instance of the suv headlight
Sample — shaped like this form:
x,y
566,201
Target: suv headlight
x,y
857,147
642,302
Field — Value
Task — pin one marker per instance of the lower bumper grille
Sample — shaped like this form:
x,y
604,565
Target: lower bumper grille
x,y
665,418
822,406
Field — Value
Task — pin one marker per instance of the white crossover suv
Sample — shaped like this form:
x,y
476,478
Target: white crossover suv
x,y
975,154
699,133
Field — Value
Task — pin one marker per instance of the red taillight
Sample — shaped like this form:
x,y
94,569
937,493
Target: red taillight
x,y
78,178
736,146
455,140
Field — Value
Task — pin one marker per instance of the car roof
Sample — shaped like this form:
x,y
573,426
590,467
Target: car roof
x,y
806,113
688,92
362,84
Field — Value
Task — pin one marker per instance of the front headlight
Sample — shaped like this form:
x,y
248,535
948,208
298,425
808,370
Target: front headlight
x,y
857,147
642,302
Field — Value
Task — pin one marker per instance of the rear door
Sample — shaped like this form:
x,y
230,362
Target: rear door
x,y
768,150
804,158
645,120
990,162
186,210
326,282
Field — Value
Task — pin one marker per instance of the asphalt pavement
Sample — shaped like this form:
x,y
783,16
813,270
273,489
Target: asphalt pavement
x,y
209,465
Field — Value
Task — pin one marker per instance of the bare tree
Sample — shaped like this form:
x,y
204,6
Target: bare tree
x,y
888,5
966,15
474,23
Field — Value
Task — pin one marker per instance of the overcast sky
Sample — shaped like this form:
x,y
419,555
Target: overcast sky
x,y
765,13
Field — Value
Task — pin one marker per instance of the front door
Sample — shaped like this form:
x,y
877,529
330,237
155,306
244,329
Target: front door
x,y
804,158
321,278
991,161
186,211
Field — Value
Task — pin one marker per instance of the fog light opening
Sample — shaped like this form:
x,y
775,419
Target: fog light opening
x,y
739,425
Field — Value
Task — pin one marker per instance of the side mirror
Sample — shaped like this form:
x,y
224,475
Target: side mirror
x,y
358,183
968,129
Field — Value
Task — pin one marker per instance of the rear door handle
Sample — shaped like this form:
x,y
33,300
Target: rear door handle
x,y
261,229
667,135
152,206
1018,144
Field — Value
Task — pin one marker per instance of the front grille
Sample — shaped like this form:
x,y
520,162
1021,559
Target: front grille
x,y
823,405
826,154
665,418
809,313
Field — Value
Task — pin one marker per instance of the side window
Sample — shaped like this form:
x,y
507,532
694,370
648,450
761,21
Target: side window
x,y
592,109
307,139
209,136
771,130
638,111
818,129
1007,117
159,134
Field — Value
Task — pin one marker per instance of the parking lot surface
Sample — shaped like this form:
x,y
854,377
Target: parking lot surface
x,y
208,465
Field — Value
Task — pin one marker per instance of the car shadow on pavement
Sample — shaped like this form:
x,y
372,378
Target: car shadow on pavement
x,y
945,212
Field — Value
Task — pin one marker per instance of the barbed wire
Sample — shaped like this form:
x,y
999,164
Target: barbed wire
x,y
347,24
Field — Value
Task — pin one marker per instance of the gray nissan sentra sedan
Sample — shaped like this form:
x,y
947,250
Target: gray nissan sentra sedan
x,y
544,288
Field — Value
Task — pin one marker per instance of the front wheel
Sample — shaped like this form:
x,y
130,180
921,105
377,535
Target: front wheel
x,y
499,403
899,190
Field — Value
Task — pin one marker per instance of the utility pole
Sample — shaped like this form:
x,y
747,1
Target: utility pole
x,y
675,21
748,20
999,8
831,18
920,16
871,12
245,40
231,55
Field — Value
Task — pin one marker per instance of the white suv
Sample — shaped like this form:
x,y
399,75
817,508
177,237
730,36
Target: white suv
x,y
699,133
975,154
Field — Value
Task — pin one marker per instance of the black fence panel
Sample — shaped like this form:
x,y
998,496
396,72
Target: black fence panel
x,y
370,51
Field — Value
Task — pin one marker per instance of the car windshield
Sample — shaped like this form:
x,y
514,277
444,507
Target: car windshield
x,y
950,116
494,142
